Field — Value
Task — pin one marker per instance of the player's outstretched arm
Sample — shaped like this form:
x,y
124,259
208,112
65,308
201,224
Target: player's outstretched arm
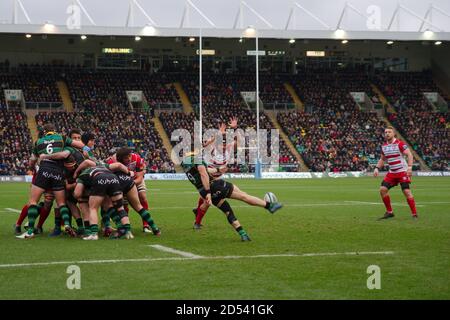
x,y
84,165
117,166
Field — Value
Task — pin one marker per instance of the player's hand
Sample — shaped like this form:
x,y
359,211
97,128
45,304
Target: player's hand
x,y
222,128
233,123
409,172
132,174
42,156
208,199
375,172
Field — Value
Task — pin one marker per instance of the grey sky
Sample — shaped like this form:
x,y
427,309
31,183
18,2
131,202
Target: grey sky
x,y
168,13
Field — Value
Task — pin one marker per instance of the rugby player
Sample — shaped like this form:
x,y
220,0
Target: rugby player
x,y
215,190
135,163
400,171
129,189
50,176
104,186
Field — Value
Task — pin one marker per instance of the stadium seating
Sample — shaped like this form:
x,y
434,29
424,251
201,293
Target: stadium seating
x,y
15,143
335,140
404,89
98,89
428,134
37,85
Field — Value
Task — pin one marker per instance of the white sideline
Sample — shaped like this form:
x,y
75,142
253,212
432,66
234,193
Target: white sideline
x,y
318,254
175,251
12,210
379,203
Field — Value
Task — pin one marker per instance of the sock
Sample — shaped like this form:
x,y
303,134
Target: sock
x,y
93,228
126,227
145,205
22,216
86,224
44,212
387,203
241,231
58,219
200,213
412,205
145,215
106,217
80,223
267,206
87,230
32,215
65,215
116,218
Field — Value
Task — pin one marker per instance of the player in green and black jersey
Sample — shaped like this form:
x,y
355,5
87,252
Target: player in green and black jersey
x,y
104,186
50,176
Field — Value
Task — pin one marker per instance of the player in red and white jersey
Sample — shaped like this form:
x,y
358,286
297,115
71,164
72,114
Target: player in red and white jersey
x,y
400,171
134,163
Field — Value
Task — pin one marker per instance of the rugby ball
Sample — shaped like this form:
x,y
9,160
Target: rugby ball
x,y
270,197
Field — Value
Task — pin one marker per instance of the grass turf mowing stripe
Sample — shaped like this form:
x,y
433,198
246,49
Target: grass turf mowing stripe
x,y
317,254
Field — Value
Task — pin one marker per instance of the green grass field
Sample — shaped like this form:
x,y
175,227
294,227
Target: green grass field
x,y
321,216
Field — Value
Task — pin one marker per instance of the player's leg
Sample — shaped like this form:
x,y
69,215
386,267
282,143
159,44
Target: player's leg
x,y
23,214
135,202
120,217
384,194
106,212
95,201
32,212
225,207
81,195
77,215
44,210
142,193
60,197
202,208
238,194
409,198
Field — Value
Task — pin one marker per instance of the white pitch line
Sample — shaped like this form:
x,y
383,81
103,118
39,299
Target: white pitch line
x,y
379,203
175,251
317,254
12,210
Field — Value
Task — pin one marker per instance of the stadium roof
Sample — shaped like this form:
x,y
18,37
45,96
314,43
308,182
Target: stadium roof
x,y
284,19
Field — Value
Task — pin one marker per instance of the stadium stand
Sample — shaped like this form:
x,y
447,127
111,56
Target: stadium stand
x,y
15,143
428,134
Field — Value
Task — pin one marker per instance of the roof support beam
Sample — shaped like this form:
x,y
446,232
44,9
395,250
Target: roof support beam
x,y
18,3
186,15
309,13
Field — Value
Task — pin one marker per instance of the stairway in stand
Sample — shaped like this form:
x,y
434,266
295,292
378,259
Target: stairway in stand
x,y
165,139
273,118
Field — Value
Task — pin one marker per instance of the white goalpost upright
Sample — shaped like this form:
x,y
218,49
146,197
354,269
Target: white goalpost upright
x,y
200,106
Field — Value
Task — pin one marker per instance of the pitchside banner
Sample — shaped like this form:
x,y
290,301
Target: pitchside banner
x,y
265,175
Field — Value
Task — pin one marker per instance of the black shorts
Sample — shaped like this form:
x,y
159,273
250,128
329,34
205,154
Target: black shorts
x,y
126,182
221,189
105,184
49,178
70,197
